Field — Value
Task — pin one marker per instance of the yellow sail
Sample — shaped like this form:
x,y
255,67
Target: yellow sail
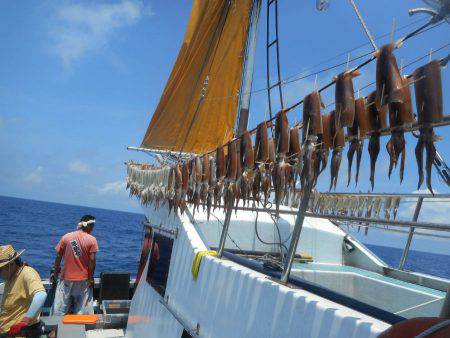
x,y
197,110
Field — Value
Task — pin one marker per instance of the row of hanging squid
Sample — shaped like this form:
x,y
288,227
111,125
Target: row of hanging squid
x,y
243,170
367,117
356,206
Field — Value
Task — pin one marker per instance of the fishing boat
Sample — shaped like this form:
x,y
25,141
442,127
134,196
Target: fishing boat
x,y
226,261
238,241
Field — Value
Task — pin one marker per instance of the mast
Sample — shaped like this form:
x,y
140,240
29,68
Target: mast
x,y
247,73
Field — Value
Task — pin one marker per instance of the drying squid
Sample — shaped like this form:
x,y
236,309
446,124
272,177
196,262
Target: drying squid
x,y
312,126
261,155
178,187
211,186
185,184
265,177
198,172
206,167
377,208
363,128
428,90
170,188
327,141
248,164
377,121
230,185
220,176
395,205
312,119
338,145
387,207
400,114
345,99
388,78
295,155
282,170
352,132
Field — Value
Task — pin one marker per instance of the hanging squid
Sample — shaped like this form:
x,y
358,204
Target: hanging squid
x,y
377,121
184,186
345,99
206,167
312,126
282,170
178,186
198,172
388,79
295,155
400,115
428,90
170,188
338,141
359,128
237,188
231,174
248,164
220,176
261,155
211,186
265,178
327,140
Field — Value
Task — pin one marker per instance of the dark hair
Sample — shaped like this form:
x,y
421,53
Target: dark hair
x,y
18,261
86,218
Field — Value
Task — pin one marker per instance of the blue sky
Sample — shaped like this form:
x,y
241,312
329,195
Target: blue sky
x,y
79,82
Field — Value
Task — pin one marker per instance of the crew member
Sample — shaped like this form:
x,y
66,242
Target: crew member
x,y
78,249
23,297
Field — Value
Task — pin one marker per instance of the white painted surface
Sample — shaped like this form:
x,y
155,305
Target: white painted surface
x,y
229,300
242,234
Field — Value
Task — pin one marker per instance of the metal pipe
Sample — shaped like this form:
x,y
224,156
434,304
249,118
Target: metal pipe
x,y
162,229
184,324
226,225
159,151
427,196
414,127
310,146
410,235
296,232
247,76
421,225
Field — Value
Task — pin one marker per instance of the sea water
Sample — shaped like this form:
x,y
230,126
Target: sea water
x,y
37,227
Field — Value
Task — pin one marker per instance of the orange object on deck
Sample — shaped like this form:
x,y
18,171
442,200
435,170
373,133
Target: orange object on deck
x,y
80,319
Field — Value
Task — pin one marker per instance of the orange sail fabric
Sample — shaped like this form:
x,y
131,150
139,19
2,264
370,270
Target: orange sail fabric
x,y
209,64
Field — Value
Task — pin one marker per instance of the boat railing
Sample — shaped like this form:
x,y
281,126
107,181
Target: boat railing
x,y
343,210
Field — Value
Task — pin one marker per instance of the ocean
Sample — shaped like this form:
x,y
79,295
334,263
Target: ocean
x,y
37,227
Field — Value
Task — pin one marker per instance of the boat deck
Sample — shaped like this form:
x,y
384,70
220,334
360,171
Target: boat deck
x,y
387,293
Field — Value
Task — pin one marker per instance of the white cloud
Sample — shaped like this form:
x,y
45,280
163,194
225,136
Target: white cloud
x,y
35,177
79,167
434,210
86,28
112,188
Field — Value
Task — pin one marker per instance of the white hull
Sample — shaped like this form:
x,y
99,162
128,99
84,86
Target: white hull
x,y
229,300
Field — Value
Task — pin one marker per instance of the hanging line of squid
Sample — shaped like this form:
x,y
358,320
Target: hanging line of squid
x,y
243,170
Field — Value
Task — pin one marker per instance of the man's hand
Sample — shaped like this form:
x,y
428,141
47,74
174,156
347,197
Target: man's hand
x,y
16,328
91,282
53,277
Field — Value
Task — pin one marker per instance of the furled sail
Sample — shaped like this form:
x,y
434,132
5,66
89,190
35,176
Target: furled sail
x,y
197,110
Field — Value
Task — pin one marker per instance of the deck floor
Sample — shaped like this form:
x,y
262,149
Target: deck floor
x,y
350,269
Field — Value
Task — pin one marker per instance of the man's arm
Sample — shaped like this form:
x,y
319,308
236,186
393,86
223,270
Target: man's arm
x,y
36,305
54,275
92,262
